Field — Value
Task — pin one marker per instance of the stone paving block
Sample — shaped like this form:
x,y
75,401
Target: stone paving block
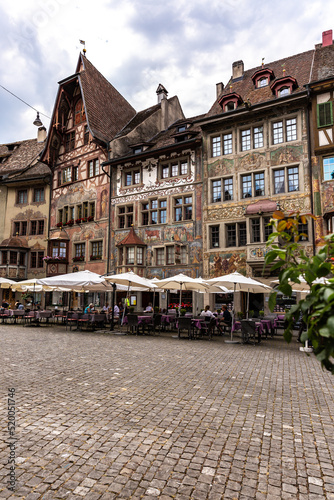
x,y
105,416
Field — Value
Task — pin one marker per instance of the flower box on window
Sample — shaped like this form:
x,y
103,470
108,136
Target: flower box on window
x,y
95,257
78,258
50,259
90,218
59,224
78,221
69,222
83,219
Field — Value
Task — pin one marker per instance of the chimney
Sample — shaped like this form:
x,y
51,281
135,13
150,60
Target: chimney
x,y
327,38
162,93
237,70
41,134
219,88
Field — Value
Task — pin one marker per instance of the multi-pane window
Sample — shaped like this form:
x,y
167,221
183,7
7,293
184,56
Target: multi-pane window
x,y
214,236
67,175
246,185
183,208
328,168
125,216
231,235
22,259
252,138
262,82
4,257
13,258
283,177
79,250
252,184
235,234
39,195
255,230
225,185
303,232
93,167
174,168
130,255
154,212
132,177
160,256
268,228
222,145
96,250
140,256
325,114
36,227
284,131
22,196
69,141
293,179
170,253
216,146
20,228
36,259
58,249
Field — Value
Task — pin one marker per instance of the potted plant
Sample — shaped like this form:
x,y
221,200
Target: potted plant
x,y
131,309
156,309
183,312
59,224
250,313
261,313
240,315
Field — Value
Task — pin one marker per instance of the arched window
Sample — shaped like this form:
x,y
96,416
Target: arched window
x,y
80,115
262,82
284,91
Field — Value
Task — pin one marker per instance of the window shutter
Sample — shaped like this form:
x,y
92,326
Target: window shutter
x,y
325,114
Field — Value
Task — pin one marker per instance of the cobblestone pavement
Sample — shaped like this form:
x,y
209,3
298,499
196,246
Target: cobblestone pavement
x,y
102,416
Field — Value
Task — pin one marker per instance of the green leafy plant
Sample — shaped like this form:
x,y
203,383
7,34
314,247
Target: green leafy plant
x,y
261,314
250,313
183,312
240,315
131,309
287,255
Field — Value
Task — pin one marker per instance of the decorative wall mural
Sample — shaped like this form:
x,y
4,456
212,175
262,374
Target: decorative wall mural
x,y
182,234
252,161
286,155
220,264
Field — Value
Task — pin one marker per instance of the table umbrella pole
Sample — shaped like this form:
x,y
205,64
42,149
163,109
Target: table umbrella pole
x,y
180,305
232,325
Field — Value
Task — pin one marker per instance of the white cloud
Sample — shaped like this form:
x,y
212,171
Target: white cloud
x,y
136,44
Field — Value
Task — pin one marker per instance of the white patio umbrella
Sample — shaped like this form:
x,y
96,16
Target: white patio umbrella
x,y
303,286
240,284
6,283
131,280
183,282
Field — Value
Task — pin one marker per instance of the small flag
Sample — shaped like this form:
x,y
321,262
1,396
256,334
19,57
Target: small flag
x,y
82,41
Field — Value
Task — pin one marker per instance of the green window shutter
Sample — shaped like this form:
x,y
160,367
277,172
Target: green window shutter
x,y
325,114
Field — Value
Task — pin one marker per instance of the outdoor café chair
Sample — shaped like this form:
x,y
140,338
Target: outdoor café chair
x,y
248,331
72,319
156,325
185,324
133,323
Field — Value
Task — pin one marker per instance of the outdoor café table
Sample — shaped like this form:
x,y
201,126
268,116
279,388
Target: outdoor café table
x,y
267,326
259,327
145,320
168,319
16,313
43,315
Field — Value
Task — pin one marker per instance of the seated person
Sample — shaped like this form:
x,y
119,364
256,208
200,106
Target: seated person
x,y
89,309
149,308
4,304
226,316
116,310
106,308
207,312
20,306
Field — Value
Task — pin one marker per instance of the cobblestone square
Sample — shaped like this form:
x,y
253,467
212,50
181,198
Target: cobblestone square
x,y
104,416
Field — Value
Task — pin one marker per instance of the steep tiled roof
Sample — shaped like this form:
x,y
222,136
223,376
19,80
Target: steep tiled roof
x,y
298,66
323,66
131,239
139,118
107,110
19,156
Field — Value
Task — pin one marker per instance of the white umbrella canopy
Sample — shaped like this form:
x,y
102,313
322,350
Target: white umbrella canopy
x,y
82,280
6,283
183,282
240,283
303,286
130,279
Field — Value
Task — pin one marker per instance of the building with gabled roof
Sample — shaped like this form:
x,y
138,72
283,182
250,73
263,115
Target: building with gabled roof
x,y
256,158
88,113
24,200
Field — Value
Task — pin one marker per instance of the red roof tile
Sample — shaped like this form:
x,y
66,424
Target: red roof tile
x,y
131,239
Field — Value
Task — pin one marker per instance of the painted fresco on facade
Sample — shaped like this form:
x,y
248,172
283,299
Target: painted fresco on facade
x,y
252,161
221,167
183,233
226,263
286,154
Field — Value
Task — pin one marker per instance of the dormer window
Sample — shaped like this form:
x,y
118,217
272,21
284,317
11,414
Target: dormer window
x,y
137,150
263,82
262,77
230,101
284,86
284,91
182,128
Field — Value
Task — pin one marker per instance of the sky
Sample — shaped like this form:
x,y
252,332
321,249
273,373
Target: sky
x,y
187,45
